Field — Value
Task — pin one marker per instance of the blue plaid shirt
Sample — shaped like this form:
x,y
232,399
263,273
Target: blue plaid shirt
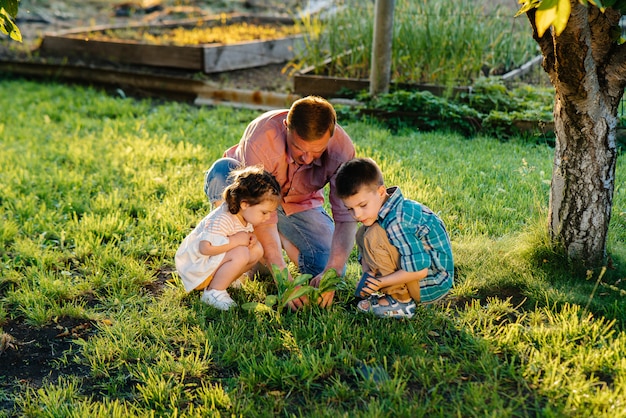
x,y
422,241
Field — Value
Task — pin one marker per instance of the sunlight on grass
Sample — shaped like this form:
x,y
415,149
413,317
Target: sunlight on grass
x,y
97,192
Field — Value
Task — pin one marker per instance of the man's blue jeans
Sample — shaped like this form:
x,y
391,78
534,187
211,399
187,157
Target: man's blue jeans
x,y
310,231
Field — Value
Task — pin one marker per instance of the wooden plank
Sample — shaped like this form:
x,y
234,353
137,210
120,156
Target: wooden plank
x,y
176,88
189,57
327,86
201,92
249,54
324,86
251,99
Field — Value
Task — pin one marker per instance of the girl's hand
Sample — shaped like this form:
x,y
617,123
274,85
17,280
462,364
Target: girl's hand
x,y
372,285
241,238
253,240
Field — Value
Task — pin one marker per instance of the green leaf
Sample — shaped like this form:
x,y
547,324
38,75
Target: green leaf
x,y
302,279
299,292
598,3
564,10
528,5
255,307
552,13
10,6
270,300
329,281
280,276
546,14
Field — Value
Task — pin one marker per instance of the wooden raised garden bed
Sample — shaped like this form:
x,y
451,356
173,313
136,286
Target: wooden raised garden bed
x,y
306,82
151,45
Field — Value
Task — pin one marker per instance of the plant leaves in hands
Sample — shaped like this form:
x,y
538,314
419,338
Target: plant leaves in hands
x,y
330,281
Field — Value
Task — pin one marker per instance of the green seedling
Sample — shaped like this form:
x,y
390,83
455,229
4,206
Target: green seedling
x,y
329,283
288,290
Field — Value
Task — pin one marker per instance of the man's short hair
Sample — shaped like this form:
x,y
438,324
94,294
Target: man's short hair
x,y
355,174
311,117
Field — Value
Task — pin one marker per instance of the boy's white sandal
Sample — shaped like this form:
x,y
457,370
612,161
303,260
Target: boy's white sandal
x,y
393,309
219,299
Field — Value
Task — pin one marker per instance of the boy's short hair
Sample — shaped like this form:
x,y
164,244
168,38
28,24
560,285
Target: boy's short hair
x,y
355,174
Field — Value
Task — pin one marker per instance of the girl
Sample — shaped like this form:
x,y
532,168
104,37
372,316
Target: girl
x,y
222,246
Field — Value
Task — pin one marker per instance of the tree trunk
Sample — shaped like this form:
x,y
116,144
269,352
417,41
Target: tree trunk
x,y
586,70
583,176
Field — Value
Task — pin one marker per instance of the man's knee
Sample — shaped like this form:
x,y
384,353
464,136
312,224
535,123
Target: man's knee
x,y
217,178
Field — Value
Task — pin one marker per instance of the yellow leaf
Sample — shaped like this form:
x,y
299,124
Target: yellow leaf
x,y
564,9
552,13
544,19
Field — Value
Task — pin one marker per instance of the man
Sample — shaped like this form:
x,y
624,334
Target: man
x,y
302,147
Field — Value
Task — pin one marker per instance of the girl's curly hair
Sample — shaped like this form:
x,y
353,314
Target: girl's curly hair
x,y
251,184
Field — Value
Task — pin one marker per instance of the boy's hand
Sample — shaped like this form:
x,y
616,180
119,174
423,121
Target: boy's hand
x,y
372,285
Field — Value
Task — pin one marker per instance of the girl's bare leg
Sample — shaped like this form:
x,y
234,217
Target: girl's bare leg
x,y
236,262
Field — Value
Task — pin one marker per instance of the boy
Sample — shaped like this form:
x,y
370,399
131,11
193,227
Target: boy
x,y
404,248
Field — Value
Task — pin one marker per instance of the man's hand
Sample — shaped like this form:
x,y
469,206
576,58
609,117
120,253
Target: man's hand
x,y
297,303
327,298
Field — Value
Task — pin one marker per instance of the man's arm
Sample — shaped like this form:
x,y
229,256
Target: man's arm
x,y
268,236
340,249
341,246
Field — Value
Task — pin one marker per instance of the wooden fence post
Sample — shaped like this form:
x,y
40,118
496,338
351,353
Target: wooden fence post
x,y
380,71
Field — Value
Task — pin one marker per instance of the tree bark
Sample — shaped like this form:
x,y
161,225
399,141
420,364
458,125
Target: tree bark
x,y
586,68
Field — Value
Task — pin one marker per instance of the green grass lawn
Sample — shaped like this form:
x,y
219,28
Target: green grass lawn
x,y
97,192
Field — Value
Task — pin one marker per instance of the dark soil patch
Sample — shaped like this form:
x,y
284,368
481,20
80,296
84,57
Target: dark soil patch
x,y
30,355
163,276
